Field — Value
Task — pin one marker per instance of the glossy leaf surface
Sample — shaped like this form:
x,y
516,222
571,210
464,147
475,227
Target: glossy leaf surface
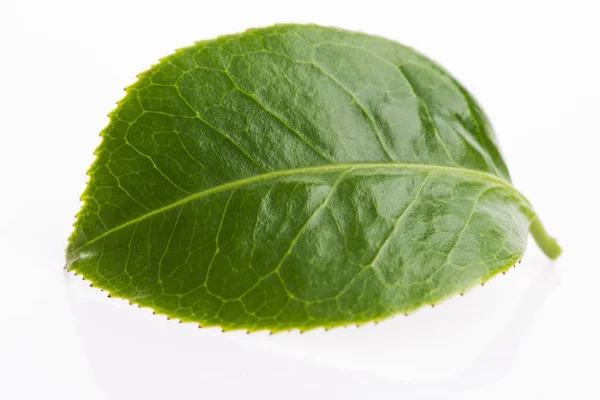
x,y
297,177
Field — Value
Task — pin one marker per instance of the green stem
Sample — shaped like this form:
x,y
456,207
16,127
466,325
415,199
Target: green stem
x,y
547,243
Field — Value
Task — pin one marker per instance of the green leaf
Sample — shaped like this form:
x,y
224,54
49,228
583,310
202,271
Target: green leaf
x,y
297,177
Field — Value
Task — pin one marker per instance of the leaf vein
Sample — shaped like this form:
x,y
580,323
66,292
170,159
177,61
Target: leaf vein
x,y
307,170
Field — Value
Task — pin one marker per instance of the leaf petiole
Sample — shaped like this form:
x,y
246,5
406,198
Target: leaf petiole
x,y
546,242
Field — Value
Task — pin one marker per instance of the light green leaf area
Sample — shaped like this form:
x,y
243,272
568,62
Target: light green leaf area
x,y
297,177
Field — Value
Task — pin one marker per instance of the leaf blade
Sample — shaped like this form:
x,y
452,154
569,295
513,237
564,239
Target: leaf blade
x,y
294,177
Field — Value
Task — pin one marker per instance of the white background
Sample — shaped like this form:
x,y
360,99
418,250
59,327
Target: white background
x,y
531,334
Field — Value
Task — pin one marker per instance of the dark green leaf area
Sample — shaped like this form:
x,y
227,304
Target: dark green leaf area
x,y
296,177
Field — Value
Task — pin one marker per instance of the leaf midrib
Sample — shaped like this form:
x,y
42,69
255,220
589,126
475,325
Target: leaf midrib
x,y
307,170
